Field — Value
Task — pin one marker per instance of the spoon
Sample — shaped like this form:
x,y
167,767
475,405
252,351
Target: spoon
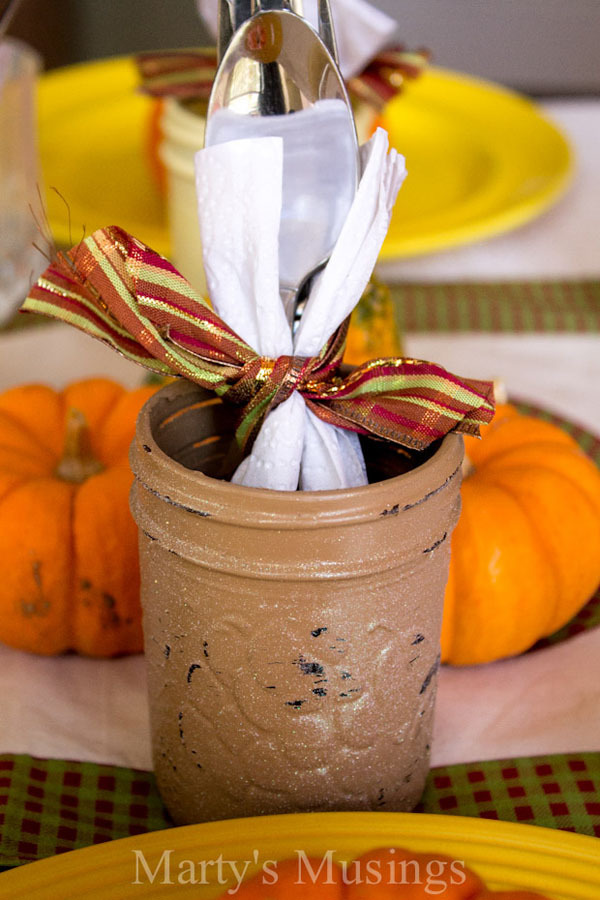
x,y
275,65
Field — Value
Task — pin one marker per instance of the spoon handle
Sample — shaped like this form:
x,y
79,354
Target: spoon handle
x,y
242,10
233,13
326,30
294,6
230,16
224,28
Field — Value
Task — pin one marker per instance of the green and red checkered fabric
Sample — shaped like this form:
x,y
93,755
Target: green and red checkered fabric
x,y
504,306
49,806
560,791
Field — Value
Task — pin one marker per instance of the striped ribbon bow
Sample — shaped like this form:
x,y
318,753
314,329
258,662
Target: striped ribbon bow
x,y
119,290
189,73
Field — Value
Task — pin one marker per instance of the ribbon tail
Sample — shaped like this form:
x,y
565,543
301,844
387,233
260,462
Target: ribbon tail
x,y
189,73
409,402
177,73
118,290
62,293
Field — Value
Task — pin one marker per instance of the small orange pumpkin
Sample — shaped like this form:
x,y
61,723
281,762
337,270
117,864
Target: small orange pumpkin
x,y
526,550
390,873
68,543
385,874
305,879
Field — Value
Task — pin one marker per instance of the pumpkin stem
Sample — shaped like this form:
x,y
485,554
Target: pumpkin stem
x,y
78,463
467,467
500,391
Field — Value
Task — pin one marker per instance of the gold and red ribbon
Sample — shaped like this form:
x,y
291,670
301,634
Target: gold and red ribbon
x,y
189,73
119,290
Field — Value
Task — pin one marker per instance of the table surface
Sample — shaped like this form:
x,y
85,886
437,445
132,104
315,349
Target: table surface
x,y
543,702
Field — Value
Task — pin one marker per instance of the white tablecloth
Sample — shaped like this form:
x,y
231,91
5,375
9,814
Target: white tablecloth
x,y
543,702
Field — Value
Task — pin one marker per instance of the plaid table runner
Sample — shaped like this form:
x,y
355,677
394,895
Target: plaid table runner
x,y
50,806
505,306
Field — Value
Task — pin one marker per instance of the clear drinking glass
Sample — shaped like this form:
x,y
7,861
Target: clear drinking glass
x,y
20,262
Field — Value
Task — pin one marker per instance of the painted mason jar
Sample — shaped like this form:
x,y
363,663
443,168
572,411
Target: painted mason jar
x,y
292,639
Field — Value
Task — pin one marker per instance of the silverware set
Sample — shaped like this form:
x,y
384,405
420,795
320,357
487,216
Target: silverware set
x,y
278,76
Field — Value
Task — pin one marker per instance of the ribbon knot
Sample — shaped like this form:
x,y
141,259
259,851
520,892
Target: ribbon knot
x,y
265,378
264,383
295,370
122,292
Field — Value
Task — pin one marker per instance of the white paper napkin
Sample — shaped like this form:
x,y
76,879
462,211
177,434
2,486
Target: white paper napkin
x,y
319,176
361,30
239,190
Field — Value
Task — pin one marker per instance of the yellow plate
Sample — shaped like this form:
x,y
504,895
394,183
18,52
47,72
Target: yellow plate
x,y
93,133
481,159
564,866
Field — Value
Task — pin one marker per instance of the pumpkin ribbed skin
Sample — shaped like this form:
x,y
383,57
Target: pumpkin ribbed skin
x,y
68,550
526,550
384,874
292,880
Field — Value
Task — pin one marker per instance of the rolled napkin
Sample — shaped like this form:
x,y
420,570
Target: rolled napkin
x,y
240,246
362,30
291,394
299,419
118,290
319,179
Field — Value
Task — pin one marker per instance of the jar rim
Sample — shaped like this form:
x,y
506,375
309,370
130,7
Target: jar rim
x,y
204,495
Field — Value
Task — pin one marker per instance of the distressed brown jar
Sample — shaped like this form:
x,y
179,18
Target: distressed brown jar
x,y
292,639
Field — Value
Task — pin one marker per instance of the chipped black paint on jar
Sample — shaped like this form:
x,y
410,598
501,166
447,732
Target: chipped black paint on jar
x,y
303,628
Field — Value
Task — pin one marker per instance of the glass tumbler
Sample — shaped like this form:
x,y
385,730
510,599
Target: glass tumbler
x,y
20,206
